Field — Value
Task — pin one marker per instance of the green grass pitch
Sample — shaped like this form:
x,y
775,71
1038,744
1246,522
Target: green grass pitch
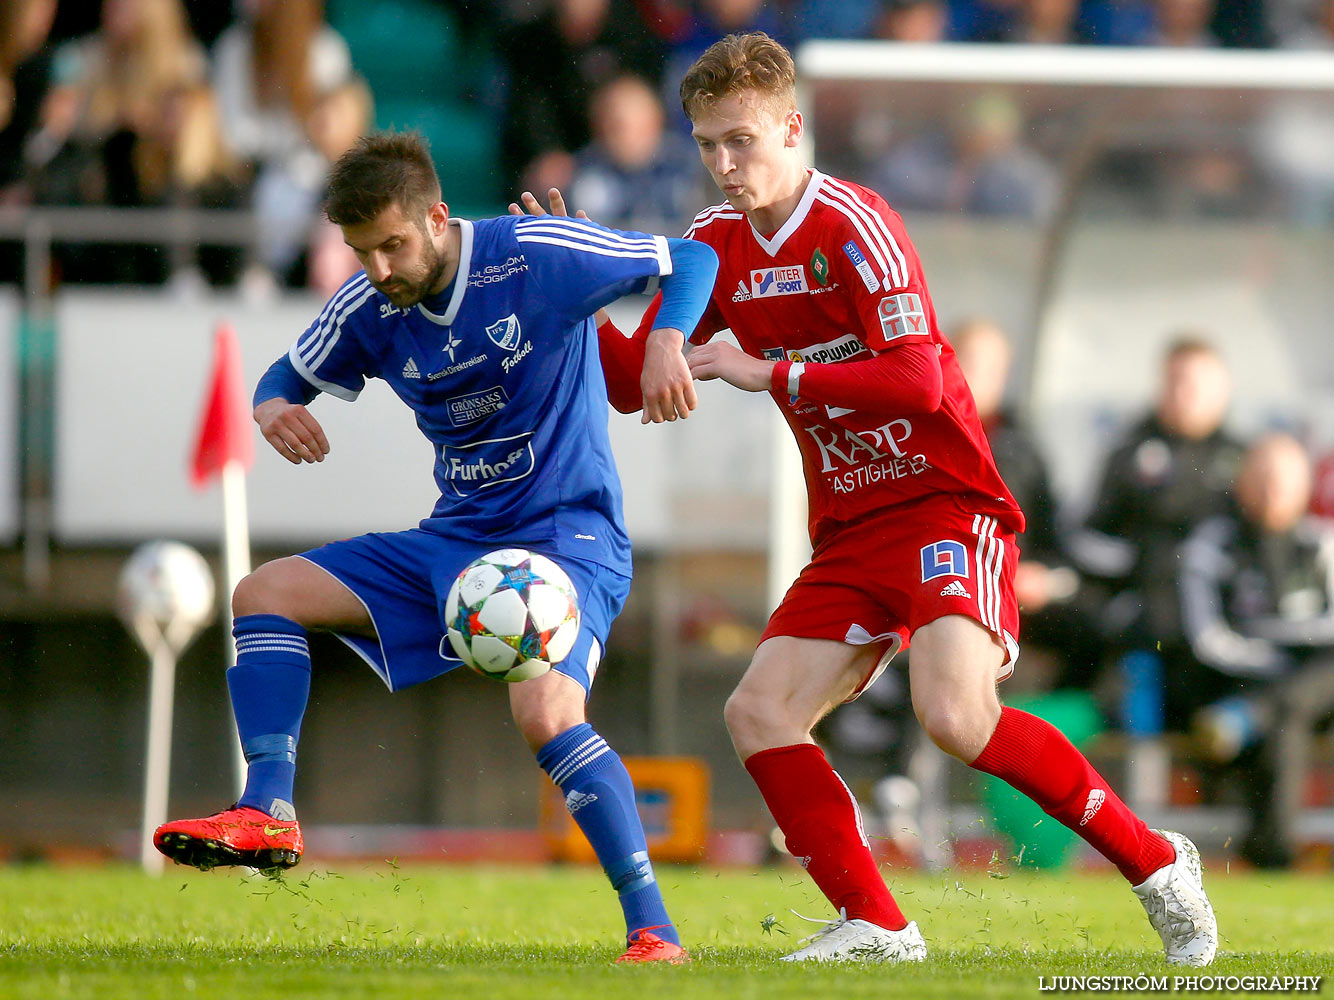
x,y
386,931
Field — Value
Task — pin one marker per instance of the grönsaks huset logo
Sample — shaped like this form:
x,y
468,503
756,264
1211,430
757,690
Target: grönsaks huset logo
x,y
476,466
505,333
470,408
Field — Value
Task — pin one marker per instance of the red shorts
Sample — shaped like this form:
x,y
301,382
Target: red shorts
x,y
880,579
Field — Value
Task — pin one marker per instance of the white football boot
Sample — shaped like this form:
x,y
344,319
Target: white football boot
x,y
845,940
1174,898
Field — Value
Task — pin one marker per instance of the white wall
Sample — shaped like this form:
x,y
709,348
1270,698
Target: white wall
x,y
133,369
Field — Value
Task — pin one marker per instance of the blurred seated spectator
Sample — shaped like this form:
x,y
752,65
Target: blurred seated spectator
x,y
100,122
1172,470
1304,25
1182,24
25,76
911,21
635,174
1257,676
1057,610
979,165
808,19
338,120
554,63
185,161
270,71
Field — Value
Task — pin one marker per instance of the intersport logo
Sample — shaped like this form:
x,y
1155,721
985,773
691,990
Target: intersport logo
x,y
771,281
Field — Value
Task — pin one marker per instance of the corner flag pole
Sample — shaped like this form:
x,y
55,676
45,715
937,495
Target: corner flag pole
x,y
224,448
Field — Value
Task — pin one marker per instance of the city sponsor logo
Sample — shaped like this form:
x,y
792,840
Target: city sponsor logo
x,y
944,558
494,274
476,466
470,408
902,315
505,333
862,265
769,282
509,363
742,293
847,346
1096,798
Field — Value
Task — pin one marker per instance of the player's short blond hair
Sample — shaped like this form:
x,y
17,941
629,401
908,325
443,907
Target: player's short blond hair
x,y
738,63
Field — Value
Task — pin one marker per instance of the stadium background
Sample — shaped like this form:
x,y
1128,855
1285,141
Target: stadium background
x,y
1136,212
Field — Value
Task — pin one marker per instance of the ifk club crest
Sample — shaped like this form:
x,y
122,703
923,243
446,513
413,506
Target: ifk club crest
x,y
505,333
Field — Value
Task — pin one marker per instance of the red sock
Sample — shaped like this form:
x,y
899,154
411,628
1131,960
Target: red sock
x,y
823,827
1036,758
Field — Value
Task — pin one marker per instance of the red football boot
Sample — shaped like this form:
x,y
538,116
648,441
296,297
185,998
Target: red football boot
x,y
645,946
236,836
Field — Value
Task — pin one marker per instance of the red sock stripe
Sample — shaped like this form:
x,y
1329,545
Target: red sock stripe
x,y
819,817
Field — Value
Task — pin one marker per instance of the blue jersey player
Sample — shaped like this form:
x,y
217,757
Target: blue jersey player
x,y
483,329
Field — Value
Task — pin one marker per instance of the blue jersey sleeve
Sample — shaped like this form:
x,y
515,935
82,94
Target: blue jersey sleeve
x,y
329,355
581,266
282,382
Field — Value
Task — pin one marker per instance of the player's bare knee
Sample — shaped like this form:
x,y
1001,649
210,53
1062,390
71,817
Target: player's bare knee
x,y
756,722
961,731
264,591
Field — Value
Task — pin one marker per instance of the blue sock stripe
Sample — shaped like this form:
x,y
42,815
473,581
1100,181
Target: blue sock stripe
x,y
557,761
584,755
244,646
297,640
632,873
270,747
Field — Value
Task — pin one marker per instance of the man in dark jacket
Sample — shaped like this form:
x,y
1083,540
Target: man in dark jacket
x,y
1257,609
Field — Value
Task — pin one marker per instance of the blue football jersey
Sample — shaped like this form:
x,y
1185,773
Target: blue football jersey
x,y
502,372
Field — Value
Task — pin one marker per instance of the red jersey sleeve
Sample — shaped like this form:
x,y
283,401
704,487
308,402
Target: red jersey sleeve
x,y
887,286
623,357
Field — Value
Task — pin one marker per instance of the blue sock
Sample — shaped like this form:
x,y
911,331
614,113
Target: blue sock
x,y
601,798
269,685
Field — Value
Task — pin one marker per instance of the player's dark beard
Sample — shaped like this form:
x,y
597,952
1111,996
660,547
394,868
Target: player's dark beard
x,y
409,293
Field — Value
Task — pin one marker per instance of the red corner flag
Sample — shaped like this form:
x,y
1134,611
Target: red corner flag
x,y
224,430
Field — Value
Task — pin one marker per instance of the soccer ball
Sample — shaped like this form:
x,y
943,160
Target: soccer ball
x,y
511,614
166,588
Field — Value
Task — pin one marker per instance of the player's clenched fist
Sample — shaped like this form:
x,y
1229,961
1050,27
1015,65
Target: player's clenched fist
x,y
293,432
721,360
668,389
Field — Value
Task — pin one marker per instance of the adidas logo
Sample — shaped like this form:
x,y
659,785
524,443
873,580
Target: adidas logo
x,y
955,589
1096,798
410,370
577,800
742,293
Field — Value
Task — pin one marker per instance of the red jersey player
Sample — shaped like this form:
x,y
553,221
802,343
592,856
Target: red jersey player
x,y
913,529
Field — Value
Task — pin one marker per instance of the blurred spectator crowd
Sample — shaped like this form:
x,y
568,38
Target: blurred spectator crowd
x,y
224,105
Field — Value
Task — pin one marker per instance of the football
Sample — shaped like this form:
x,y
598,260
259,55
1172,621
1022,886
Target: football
x,y
511,614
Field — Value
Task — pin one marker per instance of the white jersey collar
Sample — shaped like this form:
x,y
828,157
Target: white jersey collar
x,y
460,277
775,243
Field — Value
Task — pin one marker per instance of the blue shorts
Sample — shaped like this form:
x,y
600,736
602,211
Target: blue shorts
x,y
403,578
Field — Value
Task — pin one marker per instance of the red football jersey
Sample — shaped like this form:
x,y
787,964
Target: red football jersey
x,y
840,282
